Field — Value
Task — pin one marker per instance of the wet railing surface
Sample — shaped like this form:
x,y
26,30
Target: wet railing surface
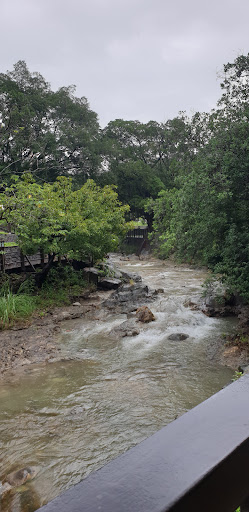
x,y
199,462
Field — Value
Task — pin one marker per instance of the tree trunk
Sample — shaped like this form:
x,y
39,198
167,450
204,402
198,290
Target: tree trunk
x,y
40,277
22,262
149,218
42,258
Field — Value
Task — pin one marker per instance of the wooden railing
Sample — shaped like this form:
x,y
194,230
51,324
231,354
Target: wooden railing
x,y
198,463
12,258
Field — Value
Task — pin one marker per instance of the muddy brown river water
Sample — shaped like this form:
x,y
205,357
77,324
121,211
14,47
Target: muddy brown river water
x,y
72,417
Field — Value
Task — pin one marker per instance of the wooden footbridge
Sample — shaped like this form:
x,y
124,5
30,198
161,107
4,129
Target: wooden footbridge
x,y
11,258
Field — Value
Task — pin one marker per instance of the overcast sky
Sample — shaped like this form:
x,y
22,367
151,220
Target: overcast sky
x,y
132,59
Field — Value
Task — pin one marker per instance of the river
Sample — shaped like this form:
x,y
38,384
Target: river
x,y
73,416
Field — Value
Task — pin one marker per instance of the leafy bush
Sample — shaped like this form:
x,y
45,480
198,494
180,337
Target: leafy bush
x,y
64,277
62,283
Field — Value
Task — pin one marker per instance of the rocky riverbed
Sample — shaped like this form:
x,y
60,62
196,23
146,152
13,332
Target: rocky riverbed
x,y
37,342
86,382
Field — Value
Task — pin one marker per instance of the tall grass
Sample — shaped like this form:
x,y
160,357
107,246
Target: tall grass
x,y
14,307
61,286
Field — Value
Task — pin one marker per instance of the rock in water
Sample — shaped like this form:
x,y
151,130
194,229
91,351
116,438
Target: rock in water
x,y
18,478
128,297
127,328
145,315
178,336
158,290
131,276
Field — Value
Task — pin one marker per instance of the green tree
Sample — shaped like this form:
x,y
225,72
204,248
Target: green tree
x,y
142,159
83,224
135,184
44,132
208,217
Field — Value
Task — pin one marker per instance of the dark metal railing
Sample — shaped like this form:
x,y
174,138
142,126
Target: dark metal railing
x,y
139,232
199,462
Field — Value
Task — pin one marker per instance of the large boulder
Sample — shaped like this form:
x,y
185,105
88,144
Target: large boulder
x,y
128,297
128,277
109,271
145,315
109,284
218,302
127,328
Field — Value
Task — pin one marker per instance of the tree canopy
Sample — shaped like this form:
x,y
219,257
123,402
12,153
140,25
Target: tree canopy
x,y
208,218
83,223
190,176
43,132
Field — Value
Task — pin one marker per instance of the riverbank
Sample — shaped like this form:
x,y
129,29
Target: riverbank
x,y
36,342
234,347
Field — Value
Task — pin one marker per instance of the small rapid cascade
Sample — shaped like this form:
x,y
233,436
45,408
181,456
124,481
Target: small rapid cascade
x,y
108,393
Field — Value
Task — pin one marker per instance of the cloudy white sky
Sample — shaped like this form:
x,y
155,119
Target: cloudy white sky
x,y
132,59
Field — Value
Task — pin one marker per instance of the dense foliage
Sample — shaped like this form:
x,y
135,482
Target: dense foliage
x,y
207,218
44,132
83,224
142,159
188,177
